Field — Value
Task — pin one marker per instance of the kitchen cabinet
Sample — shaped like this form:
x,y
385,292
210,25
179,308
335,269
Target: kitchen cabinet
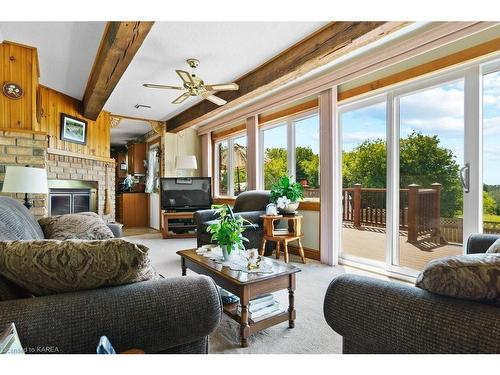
x,y
133,209
136,157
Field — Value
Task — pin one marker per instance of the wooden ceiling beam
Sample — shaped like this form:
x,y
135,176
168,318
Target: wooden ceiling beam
x,y
317,49
119,44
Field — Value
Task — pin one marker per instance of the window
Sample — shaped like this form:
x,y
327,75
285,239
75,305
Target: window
x,y
292,148
231,167
239,165
274,142
307,155
222,167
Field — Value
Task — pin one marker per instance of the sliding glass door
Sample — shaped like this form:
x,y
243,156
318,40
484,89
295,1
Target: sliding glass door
x,y
364,186
491,149
431,154
419,169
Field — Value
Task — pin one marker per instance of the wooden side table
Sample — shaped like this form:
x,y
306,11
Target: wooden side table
x,y
292,233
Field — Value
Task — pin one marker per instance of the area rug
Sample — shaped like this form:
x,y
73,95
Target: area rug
x,y
311,334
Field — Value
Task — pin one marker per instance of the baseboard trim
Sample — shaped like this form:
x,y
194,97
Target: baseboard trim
x,y
308,252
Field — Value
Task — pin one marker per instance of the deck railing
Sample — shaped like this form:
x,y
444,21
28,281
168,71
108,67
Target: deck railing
x,y
419,208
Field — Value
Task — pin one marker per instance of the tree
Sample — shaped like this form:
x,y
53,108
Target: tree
x,y
307,167
275,165
223,178
423,161
494,192
489,203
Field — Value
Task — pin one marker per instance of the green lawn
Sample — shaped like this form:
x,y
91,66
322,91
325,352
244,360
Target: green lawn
x,y
487,217
491,217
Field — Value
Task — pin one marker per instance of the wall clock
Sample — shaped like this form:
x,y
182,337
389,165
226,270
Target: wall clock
x,y
12,90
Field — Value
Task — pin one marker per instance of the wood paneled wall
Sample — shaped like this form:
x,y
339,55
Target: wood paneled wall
x,y
19,64
98,132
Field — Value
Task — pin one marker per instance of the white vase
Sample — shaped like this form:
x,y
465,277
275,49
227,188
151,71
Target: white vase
x,y
227,254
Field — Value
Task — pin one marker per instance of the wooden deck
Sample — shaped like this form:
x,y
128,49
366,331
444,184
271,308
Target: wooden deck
x,y
369,242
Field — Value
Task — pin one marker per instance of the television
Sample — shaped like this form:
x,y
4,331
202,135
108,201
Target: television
x,y
185,193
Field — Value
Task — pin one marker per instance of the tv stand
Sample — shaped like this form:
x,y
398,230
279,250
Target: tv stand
x,y
178,225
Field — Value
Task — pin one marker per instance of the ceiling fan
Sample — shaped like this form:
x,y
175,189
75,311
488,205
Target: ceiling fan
x,y
195,86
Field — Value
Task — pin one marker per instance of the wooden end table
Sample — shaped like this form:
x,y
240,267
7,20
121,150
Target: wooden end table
x,y
246,286
293,232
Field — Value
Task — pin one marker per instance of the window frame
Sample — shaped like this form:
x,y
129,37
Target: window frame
x,y
230,164
289,122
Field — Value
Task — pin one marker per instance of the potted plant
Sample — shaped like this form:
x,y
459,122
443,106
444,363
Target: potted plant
x,y
227,231
287,194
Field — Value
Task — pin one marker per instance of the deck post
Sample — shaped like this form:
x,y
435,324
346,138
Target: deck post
x,y
436,213
356,204
413,212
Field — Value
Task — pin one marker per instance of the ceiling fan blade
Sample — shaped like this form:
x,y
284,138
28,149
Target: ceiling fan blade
x,y
222,87
214,99
186,77
181,98
154,86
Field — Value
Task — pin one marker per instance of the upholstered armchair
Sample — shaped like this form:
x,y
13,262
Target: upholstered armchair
x,y
378,316
250,205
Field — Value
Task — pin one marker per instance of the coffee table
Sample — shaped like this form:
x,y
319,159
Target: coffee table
x,y
247,286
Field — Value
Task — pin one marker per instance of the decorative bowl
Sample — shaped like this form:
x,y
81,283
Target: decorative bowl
x,y
290,208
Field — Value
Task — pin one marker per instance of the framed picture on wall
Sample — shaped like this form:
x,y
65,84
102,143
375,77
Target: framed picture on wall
x,y
73,129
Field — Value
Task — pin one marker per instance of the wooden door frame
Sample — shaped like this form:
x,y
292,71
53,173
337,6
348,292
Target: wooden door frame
x,y
156,140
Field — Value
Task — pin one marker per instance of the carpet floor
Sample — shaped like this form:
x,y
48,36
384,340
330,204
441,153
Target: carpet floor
x,y
311,334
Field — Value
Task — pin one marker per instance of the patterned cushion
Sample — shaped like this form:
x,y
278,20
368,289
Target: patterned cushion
x,y
494,248
51,266
81,226
474,277
17,222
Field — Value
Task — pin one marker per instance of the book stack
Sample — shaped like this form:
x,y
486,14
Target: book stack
x,y
262,307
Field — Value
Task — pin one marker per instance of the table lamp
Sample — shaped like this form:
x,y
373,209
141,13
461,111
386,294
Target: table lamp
x,y
25,180
186,162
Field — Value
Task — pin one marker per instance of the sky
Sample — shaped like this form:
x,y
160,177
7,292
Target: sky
x,y
435,111
306,134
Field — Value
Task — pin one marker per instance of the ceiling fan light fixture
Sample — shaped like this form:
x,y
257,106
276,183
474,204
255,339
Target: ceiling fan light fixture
x,y
215,99
181,98
195,86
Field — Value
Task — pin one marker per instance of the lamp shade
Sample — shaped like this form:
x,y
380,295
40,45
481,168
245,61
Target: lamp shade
x,y
25,180
186,162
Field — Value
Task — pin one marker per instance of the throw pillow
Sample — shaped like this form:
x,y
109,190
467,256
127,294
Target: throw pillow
x,y
473,277
50,266
494,248
81,226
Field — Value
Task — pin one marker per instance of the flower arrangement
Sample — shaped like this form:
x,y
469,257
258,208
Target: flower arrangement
x,y
284,192
228,230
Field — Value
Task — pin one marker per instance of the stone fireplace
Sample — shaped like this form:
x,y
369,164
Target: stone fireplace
x,y
73,176
64,172
68,197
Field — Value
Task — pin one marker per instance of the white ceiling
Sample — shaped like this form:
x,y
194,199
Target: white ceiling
x,y
226,50
66,50
128,130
